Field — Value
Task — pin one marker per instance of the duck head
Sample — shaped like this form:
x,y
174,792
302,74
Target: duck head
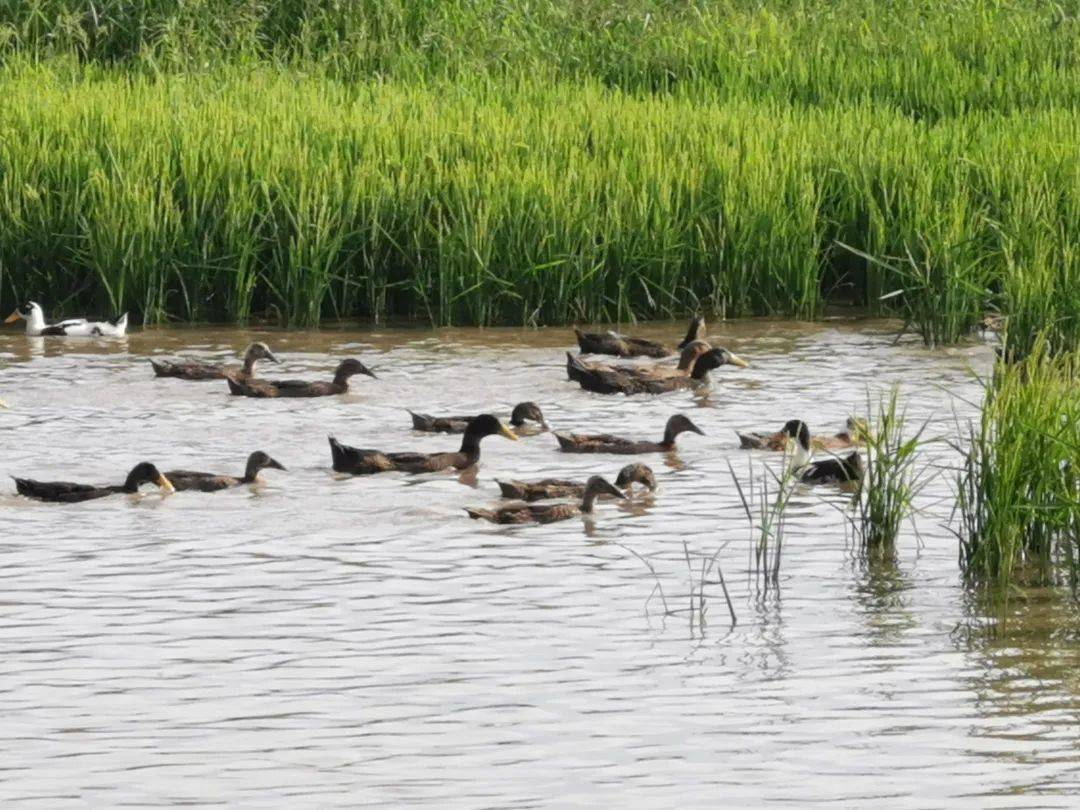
x,y
636,474
146,473
32,313
527,412
260,461
714,359
259,351
349,368
598,485
679,424
690,352
798,441
486,425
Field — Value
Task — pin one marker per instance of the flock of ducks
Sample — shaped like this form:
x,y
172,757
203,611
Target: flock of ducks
x,y
539,501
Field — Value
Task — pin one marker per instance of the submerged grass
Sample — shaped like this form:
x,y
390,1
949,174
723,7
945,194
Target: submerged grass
x,y
251,190
1019,489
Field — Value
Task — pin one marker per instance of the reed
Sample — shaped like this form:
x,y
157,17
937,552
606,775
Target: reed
x,y
1018,491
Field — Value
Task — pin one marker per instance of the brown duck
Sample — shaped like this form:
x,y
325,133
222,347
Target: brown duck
x,y
626,346
196,370
359,461
65,492
558,488
854,435
211,482
603,379
255,387
523,412
606,443
548,512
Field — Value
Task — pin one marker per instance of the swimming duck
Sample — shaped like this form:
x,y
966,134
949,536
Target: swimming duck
x,y
255,387
34,316
523,412
366,462
196,370
184,480
558,488
625,346
602,379
854,435
834,470
64,492
548,512
606,443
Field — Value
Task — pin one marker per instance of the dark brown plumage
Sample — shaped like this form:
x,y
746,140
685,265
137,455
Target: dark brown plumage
x,y
547,488
606,443
523,412
625,346
66,492
550,512
604,379
255,387
358,461
196,370
184,480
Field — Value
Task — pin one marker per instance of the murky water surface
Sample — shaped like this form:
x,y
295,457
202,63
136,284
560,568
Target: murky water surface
x,y
320,641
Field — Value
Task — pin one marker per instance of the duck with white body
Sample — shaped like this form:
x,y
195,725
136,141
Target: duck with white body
x,y
36,325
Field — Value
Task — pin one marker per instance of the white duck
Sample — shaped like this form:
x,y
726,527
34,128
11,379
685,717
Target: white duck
x,y
78,327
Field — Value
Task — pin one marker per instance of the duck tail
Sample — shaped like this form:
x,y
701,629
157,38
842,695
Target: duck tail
x,y
235,388
420,421
161,369
564,440
575,369
510,489
748,441
479,514
121,323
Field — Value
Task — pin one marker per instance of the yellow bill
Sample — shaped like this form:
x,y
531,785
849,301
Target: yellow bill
x,y
735,360
14,316
165,484
507,432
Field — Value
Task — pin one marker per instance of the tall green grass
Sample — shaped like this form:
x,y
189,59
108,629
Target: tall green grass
x,y
1019,489
247,190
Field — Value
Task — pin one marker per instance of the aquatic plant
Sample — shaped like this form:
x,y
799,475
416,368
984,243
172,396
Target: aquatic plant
x,y
894,476
1018,490
765,504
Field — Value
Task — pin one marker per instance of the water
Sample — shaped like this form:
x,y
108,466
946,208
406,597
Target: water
x,y
332,642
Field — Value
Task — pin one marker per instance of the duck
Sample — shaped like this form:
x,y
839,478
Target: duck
x,y
558,488
65,492
853,435
34,316
602,379
197,370
834,470
266,389
184,480
626,346
606,443
548,512
359,461
523,412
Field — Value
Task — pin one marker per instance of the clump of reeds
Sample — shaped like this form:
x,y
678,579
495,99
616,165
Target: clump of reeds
x,y
893,477
765,502
1019,486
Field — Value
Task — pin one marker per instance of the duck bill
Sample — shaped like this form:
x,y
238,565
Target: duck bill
x,y
165,484
508,433
14,316
369,373
277,465
272,357
735,360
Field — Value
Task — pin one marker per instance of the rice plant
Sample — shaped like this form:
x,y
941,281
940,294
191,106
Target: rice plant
x,y
1018,490
894,477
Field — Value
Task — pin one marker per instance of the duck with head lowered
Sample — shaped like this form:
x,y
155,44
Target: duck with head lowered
x,y
36,325
546,488
270,389
833,470
66,492
197,370
361,461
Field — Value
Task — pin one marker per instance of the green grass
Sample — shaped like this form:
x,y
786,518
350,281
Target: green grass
x,y
485,162
1019,489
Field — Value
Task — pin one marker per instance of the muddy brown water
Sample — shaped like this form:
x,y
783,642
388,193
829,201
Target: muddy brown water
x,y
336,642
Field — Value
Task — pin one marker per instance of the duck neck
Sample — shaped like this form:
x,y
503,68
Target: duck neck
x,y
249,364
800,456
341,378
35,321
131,483
588,501
470,446
251,473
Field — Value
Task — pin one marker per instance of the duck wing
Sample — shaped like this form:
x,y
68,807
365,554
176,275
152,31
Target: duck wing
x,y
189,369
541,490
761,441
439,424
639,347
183,480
